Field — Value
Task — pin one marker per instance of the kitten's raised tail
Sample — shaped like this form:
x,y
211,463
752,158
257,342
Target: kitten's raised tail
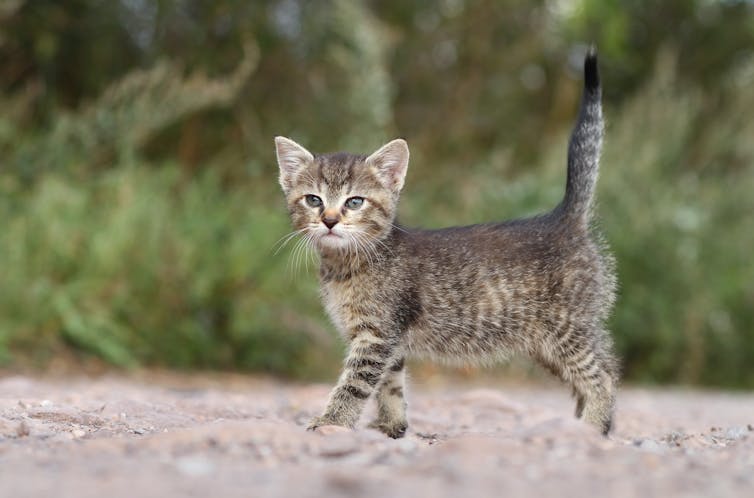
x,y
585,146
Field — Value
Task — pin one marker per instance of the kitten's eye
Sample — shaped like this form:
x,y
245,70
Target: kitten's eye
x,y
354,202
313,201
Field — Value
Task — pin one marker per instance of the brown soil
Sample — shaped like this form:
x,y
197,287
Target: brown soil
x,y
234,436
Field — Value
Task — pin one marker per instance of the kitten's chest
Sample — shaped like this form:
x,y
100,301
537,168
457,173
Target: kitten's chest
x,y
348,303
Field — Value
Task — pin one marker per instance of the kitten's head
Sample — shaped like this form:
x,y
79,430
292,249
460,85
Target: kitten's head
x,y
342,201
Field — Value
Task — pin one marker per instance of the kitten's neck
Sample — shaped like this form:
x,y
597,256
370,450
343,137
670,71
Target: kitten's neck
x,y
342,264
339,265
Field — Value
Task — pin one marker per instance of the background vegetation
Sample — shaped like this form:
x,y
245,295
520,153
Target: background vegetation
x,y
138,192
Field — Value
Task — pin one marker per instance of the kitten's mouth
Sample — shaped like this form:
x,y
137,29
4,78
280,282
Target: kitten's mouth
x,y
332,240
331,237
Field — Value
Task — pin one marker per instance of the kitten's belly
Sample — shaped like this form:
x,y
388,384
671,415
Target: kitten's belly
x,y
481,319
459,345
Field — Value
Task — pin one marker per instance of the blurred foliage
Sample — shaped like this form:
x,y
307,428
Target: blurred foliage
x,y
138,186
144,265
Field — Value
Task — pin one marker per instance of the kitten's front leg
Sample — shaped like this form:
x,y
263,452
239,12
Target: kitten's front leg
x,y
365,365
391,403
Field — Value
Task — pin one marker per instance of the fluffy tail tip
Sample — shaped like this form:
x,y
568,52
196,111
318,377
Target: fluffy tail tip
x,y
591,71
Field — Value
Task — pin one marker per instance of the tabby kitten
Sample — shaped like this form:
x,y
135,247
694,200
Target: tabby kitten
x,y
541,286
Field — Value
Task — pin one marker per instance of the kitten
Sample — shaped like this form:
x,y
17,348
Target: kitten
x,y
541,286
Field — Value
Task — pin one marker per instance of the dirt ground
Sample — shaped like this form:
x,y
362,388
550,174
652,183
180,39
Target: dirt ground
x,y
157,435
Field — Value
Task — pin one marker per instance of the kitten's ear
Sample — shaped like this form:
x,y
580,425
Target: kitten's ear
x,y
390,163
291,159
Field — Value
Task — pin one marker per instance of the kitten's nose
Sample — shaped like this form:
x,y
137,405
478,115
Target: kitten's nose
x,y
329,222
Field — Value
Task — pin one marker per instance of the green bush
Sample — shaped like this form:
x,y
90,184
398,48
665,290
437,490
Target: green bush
x,y
143,266
677,205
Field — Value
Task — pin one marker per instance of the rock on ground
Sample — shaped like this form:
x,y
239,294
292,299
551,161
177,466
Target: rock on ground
x,y
245,437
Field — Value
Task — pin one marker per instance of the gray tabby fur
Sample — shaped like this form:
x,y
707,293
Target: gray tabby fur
x,y
541,286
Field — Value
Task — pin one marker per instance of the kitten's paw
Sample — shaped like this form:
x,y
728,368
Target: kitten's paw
x,y
395,430
323,421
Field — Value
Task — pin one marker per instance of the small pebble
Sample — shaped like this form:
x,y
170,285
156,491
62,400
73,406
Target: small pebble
x,y
45,403
23,429
735,433
649,445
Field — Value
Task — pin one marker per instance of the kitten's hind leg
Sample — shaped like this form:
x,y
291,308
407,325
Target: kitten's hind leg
x,y
391,402
586,363
599,402
580,400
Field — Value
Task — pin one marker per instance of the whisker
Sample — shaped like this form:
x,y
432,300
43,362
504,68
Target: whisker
x,y
360,245
293,257
352,246
284,240
310,251
371,243
398,228
363,243
300,256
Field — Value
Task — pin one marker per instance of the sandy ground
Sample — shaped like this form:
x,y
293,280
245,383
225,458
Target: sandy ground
x,y
236,436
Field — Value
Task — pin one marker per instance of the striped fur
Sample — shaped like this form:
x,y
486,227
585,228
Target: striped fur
x,y
541,286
